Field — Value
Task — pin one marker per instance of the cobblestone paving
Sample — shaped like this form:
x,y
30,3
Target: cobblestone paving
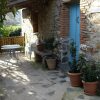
x,y
25,80
76,93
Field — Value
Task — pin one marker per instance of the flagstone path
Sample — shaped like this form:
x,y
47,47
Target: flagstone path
x,y
27,80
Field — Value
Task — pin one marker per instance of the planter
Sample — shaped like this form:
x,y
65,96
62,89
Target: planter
x,y
90,88
51,63
75,79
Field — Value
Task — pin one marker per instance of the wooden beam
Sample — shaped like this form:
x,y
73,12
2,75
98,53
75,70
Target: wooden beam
x,y
33,4
14,2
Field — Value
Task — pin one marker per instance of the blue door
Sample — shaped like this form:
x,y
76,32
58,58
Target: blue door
x,y
75,24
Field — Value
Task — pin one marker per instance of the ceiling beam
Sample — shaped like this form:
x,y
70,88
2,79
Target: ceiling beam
x,y
35,5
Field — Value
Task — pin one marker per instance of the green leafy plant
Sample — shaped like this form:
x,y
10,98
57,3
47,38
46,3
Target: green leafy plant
x,y
73,61
76,63
82,61
6,30
16,32
90,71
4,9
49,43
50,46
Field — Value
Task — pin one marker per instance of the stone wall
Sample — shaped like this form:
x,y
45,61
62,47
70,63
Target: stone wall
x,y
27,28
28,32
54,18
48,19
90,26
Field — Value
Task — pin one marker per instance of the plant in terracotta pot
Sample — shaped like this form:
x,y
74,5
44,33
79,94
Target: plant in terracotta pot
x,y
51,59
51,62
90,75
75,65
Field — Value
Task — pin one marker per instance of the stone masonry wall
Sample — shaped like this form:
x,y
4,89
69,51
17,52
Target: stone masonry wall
x,y
53,19
48,19
90,26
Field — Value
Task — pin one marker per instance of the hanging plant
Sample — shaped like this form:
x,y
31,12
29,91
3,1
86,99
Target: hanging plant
x,y
4,9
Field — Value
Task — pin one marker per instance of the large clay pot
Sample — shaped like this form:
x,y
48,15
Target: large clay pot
x,y
51,63
90,88
75,79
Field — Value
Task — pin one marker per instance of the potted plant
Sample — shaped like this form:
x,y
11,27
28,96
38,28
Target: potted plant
x,y
75,66
90,75
50,59
51,62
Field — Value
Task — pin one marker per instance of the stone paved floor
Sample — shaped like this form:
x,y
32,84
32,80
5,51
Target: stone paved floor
x,y
25,80
74,93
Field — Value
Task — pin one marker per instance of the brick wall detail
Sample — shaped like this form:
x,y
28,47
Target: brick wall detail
x,y
64,20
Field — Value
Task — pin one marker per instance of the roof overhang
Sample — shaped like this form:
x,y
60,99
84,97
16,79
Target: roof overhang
x,y
33,4
70,1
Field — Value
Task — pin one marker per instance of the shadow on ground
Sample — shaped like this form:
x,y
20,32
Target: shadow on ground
x,y
25,80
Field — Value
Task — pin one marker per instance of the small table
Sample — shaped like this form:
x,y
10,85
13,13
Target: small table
x,y
11,49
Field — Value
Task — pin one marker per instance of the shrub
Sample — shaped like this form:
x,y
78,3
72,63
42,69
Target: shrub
x,y
49,43
15,33
6,30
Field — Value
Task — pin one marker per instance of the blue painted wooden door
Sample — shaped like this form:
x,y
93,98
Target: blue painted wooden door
x,y
75,24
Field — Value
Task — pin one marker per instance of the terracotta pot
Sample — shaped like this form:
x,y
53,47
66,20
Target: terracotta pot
x,y
75,79
51,63
90,88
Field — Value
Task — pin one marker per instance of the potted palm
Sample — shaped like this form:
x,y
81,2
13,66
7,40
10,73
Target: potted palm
x,y
75,66
90,75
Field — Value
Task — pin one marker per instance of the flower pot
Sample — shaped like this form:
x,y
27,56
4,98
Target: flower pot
x,y
51,63
90,88
75,79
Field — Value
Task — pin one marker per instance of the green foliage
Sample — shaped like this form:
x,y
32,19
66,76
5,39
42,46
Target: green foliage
x,y
6,30
91,71
81,63
76,64
73,61
49,43
4,9
16,32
